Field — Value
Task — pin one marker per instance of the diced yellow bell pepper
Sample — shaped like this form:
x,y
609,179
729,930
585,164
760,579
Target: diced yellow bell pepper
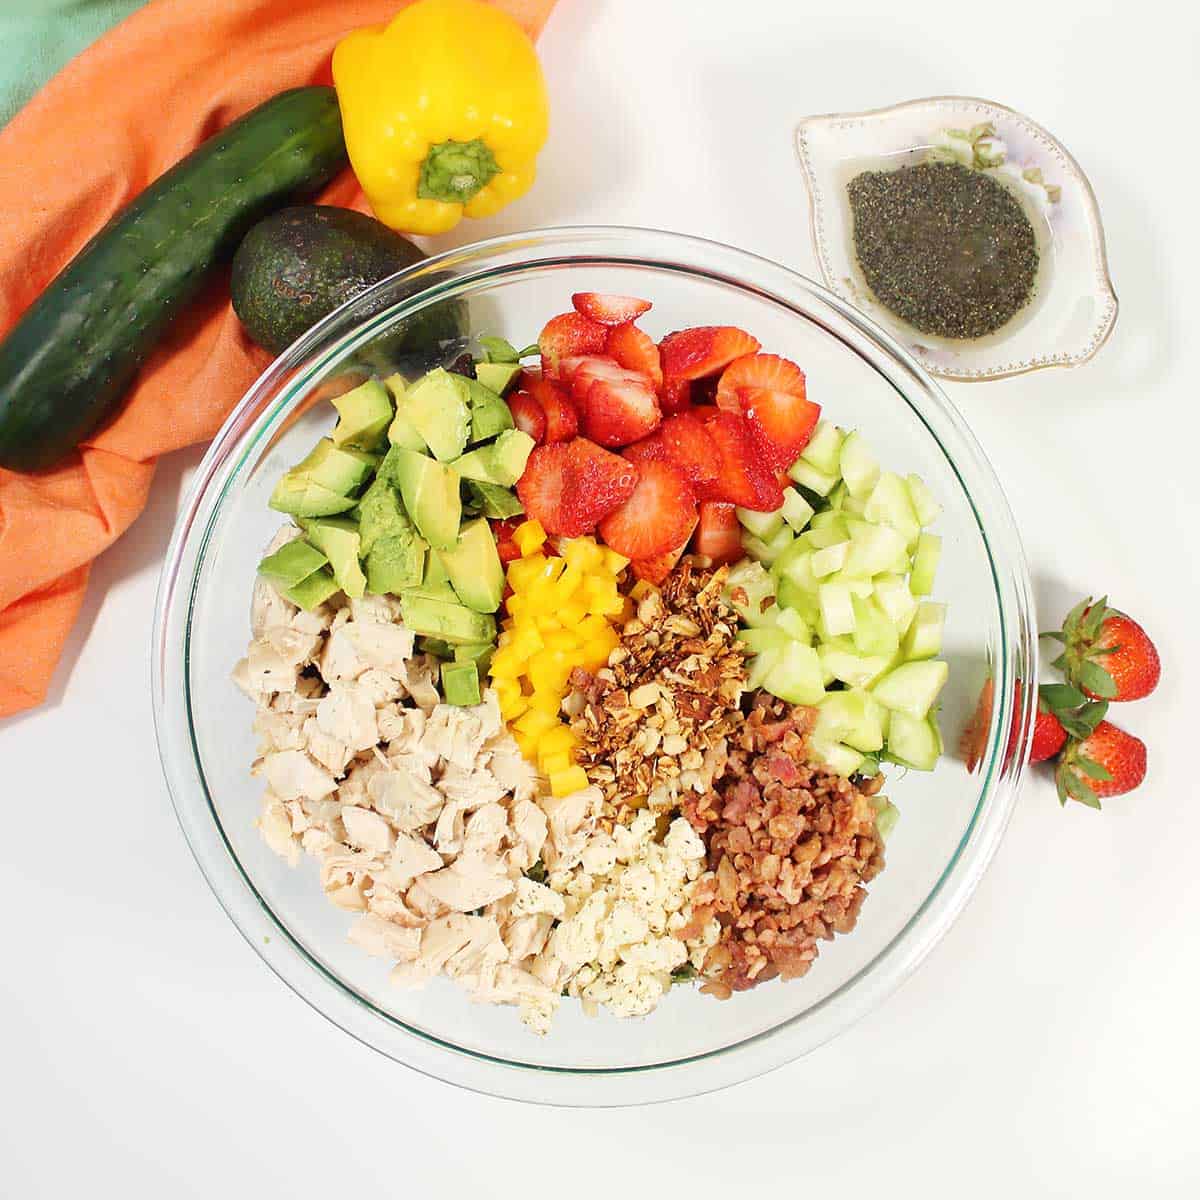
x,y
573,779
563,640
548,624
568,582
583,553
529,537
554,764
535,723
560,740
572,615
615,562
506,664
526,642
523,571
547,702
548,671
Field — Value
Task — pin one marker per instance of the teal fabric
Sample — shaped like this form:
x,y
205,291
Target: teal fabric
x,y
40,36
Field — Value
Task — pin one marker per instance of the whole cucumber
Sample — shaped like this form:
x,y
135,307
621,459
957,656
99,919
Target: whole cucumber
x,y
70,359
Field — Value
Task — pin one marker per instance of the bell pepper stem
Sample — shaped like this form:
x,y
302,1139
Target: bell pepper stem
x,y
455,171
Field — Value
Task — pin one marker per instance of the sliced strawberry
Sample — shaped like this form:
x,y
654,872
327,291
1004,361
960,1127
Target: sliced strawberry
x,y
502,531
694,353
760,371
655,570
675,395
656,518
608,309
742,476
719,534
635,350
581,371
566,335
615,412
729,402
691,449
649,449
562,421
570,486
782,423
528,415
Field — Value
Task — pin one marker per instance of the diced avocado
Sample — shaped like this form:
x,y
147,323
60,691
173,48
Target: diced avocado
x,y
339,540
437,408
430,491
298,496
443,619
480,653
341,469
364,413
435,583
489,413
494,501
460,683
473,566
291,563
502,461
312,592
395,564
381,513
497,375
402,432
436,647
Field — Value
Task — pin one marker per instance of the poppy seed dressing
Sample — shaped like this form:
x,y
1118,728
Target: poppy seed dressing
x,y
943,246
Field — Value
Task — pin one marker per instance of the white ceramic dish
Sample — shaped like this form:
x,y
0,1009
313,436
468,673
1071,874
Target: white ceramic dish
x,y
1074,306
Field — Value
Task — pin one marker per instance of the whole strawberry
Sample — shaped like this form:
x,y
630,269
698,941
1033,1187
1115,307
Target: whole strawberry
x,y
1108,762
1107,654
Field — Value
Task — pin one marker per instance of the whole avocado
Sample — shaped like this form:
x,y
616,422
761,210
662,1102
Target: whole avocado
x,y
299,264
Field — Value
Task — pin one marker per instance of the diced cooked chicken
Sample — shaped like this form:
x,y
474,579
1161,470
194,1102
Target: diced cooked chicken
x,y
485,830
381,688
385,939
383,610
404,798
410,858
442,939
368,831
571,821
347,713
265,670
532,898
470,786
276,828
513,771
470,882
529,827
292,774
278,731
383,647
340,659
526,936
332,754
420,679
268,608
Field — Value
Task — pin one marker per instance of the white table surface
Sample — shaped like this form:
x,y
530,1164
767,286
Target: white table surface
x,y
1048,1047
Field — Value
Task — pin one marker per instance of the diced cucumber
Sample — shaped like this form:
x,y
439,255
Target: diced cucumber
x,y
838,757
925,564
797,511
874,549
924,505
823,448
889,504
858,465
760,666
854,506
874,634
852,717
765,638
780,540
829,519
841,661
830,559
762,525
816,480
758,550
829,534
796,677
894,597
886,816
838,496
924,636
793,598
837,610
750,591
794,625
795,563
856,587
914,742
912,688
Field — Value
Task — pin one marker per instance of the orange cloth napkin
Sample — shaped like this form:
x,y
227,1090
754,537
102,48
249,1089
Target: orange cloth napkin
x,y
116,118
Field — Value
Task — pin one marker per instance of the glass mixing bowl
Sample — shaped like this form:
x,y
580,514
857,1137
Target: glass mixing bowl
x,y
951,820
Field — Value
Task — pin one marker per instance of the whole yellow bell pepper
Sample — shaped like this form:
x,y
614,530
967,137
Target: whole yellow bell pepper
x,y
444,112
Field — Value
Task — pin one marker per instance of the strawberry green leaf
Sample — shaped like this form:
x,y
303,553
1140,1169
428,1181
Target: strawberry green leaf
x,y
1096,679
1092,713
1096,617
1093,769
1060,696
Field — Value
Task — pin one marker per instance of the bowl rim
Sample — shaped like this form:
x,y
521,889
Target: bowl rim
x,y
284,952
1091,203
